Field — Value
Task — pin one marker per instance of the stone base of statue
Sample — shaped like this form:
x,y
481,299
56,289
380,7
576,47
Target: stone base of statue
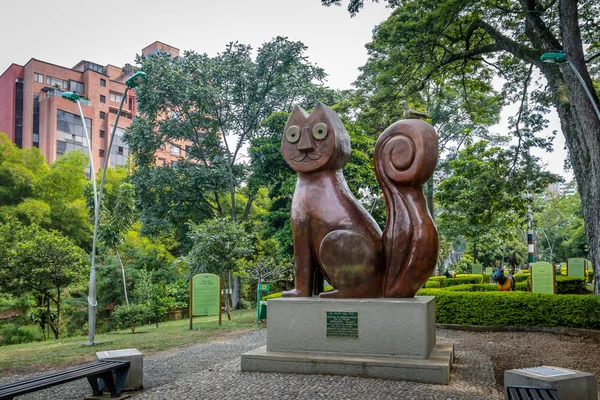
x,y
377,338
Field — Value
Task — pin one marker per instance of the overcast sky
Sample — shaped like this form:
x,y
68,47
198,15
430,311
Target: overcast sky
x,y
65,32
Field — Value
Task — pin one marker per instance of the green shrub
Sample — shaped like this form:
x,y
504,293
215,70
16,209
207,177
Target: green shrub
x,y
590,276
433,284
515,309
478,287
132,315
570,284
280,294
522,286
521,277
13,333
486,278
472,279
563,271
272,296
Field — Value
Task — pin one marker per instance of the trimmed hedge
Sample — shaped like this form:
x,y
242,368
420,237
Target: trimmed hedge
x,y
521,277
478,287
459,280
590,276
570,284
433,284
515,309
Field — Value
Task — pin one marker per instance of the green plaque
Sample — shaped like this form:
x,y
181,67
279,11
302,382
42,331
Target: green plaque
x,y
489,270
543,278
342,324
575,267
205,294
477,269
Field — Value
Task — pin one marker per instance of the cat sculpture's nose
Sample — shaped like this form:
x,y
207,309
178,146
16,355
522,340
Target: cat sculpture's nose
x,y
305,143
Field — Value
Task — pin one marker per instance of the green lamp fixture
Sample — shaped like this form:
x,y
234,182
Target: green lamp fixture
x,y
560,58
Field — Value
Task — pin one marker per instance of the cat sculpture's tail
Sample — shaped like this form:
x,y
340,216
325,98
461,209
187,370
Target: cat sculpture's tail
x,y
405,157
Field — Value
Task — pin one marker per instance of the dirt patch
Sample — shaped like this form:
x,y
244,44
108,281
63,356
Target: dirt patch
x,y
514,350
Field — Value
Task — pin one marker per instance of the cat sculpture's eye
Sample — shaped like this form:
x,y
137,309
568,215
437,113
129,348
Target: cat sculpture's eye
x,y
320,131
292,134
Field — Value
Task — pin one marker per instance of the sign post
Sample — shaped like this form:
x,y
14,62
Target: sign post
x,y
260,288
575,267
543,278
205,296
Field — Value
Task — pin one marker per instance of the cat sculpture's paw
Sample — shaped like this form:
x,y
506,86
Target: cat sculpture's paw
x,y
295,293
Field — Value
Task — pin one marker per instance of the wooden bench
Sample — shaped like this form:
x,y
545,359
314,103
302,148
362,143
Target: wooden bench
x,y
98,373
531,393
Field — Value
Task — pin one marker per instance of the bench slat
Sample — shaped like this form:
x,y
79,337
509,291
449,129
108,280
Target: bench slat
x,y
82,369
531,393
39,382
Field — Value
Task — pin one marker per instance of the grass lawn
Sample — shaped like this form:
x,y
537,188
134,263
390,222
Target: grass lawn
x,y
38,357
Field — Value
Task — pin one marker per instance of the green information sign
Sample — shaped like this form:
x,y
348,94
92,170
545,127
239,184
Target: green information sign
x,y
575,267
342,324
477,269
205,294
543,278
489,270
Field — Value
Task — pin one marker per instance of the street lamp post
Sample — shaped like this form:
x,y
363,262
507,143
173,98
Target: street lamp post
x,y
559,58
133,81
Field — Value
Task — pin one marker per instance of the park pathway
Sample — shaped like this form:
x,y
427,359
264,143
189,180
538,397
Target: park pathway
x,y
212,371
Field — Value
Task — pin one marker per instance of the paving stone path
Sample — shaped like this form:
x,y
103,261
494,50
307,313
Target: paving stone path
x,y
212,371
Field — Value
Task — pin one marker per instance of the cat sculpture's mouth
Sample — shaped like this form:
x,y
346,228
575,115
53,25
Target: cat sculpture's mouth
x,y
307,157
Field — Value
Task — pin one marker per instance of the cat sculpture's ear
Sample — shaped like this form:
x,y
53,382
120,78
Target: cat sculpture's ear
x,y
298,112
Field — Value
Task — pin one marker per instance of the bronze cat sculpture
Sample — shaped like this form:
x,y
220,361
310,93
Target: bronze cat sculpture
x,y
334,237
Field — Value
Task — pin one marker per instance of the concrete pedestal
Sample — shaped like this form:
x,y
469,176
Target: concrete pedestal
x,y
135,376
570,384
380,338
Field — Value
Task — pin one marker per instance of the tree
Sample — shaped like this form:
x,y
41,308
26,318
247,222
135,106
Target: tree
x,y
117,213
51,197
478,40
559,218
41,262
219,247
483,194
217,104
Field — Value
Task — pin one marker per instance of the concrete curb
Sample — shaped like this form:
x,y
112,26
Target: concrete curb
x,y
557,330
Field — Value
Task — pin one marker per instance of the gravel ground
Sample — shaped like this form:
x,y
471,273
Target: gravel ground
x,y
212,371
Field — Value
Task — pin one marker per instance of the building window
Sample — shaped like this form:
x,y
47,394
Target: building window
x,y
162,161
131,104
102,99
38,77
69,132
101,152
56,82
102,115
119,152
36,119
102,133
176,151
102,82
116,97
75,86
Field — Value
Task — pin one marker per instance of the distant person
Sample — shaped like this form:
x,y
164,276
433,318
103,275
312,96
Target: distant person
x,y
447,274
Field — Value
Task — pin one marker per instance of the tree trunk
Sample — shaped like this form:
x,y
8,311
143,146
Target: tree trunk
x,y
429,197
57,332
235,299
248,207
219,208
580,125
123,275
